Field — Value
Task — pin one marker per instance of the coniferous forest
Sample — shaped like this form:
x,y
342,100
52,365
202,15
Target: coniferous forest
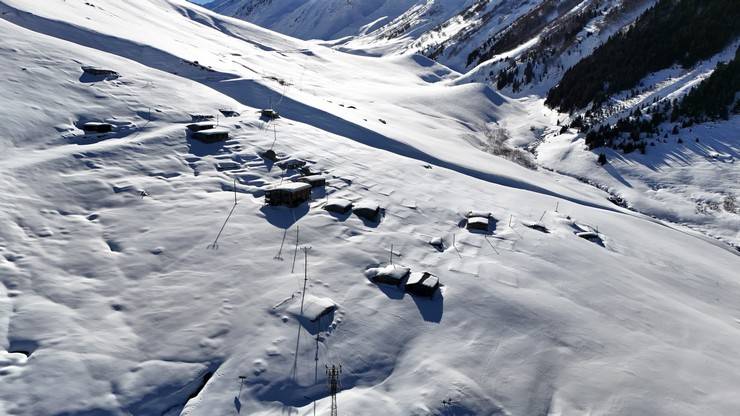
x,y
671,32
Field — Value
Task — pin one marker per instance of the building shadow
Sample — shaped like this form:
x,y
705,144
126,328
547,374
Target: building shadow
x,y
199,148
431,309
393,292
284,217
322,324
371,222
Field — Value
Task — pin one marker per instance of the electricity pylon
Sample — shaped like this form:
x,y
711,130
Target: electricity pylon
x,y
334,385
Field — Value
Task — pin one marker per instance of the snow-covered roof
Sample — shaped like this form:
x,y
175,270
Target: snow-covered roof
x,y
422,278
201,124
392,271
339,203
290,186
311,178
314,307
416,277
478,220
431,281
484,214
369,205
214,131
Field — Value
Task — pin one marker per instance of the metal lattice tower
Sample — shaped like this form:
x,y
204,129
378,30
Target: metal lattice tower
x,y
334,385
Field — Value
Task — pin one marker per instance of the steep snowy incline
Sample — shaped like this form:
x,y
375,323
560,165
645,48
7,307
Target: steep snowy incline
x,y
132,284
315,19
354,95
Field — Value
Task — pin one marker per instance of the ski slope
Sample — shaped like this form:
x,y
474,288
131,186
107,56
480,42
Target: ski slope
x,y
132,284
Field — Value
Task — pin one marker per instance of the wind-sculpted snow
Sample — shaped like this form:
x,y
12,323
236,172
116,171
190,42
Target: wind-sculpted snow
x,y
132,283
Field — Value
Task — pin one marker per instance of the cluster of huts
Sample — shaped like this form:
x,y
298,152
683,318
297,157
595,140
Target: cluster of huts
x,y
417,283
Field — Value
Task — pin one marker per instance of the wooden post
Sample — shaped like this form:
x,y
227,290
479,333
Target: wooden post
x,y
295,253
391,254
274,129
305,276
241,384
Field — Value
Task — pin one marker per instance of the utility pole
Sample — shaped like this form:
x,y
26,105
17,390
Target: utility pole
x,y
274,130
295,252
305,249
316,360
334,385
241,384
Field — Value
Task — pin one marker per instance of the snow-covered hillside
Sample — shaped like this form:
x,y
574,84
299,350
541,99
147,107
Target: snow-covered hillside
x,y
131,283
315,19
522,50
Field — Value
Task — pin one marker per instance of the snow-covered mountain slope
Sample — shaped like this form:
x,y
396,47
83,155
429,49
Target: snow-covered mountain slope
x,y
315,19
522,50
131,284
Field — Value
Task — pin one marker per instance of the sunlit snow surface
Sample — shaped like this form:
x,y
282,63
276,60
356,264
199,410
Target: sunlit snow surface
x,y
132,284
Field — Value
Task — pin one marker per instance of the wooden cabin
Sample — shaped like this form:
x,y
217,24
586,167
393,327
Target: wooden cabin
x,y
97,127
269,154
292,164
201,125
369,210
100,72
269,113
315,308
211,135
314,180
590,236
201,117
338,205
482,214
422,284
229,113
477,223
389,275
289,193
438,243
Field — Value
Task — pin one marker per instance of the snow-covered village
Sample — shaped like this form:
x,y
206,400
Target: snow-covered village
x,y
369,207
